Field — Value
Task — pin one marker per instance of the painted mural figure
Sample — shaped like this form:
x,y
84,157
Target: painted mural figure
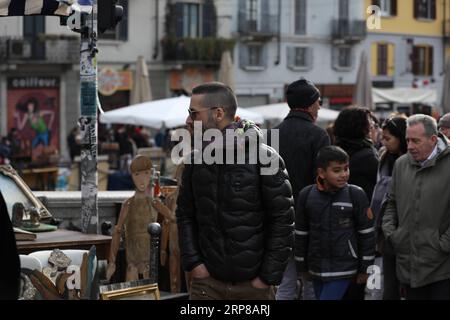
x,y
37,123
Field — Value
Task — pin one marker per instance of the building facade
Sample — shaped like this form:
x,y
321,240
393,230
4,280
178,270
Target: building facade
x,y
273,42
409,48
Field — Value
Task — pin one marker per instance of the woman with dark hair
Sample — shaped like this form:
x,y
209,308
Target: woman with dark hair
x,y
394,146
352,133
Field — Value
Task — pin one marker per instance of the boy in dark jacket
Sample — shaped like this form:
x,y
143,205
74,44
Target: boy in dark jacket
x,y
335,234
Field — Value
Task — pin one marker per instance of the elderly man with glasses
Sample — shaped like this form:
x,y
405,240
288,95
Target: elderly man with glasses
x,y
236,225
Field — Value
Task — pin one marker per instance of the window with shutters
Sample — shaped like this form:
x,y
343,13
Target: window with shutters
x,y
300,16
299,58
388,7
253,56
191,20
344,59
121,30
344,9
425,9
382,59
422,60
256,16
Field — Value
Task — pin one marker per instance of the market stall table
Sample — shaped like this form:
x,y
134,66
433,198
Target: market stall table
x,y
66,239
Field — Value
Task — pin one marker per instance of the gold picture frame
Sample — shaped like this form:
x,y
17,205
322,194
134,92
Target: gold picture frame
x,y
11,173
144,292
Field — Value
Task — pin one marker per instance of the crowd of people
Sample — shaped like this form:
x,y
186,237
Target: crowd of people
x,y
380,192
338,201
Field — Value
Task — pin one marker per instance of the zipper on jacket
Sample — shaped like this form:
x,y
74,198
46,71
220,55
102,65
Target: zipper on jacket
x,y
330,222
352,250
220,216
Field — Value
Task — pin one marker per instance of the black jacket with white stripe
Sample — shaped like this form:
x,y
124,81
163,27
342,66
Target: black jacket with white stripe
x,y
335,234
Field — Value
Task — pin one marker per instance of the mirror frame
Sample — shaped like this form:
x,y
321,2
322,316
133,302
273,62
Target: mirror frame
x,y
148,290
10,172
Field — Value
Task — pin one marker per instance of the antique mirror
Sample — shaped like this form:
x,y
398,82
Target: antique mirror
x,y
15,190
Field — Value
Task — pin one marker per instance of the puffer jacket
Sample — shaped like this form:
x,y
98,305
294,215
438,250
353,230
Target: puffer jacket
x,y
334,232
417,218
237,222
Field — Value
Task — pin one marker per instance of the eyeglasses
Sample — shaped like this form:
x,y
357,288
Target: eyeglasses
x,y
320,102
192,112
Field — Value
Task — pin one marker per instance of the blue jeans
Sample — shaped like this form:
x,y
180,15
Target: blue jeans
x,y
330,290
40,137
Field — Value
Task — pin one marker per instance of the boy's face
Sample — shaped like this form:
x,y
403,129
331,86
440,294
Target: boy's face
x,y
141,179
335,176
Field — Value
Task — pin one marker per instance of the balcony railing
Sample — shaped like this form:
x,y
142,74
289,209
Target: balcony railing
x,y
263,25
195,50
44,49
348,30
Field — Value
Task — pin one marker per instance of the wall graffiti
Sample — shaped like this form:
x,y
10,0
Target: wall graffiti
x,y
35,114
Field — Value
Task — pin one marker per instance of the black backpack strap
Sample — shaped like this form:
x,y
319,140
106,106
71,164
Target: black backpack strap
x,y
310,187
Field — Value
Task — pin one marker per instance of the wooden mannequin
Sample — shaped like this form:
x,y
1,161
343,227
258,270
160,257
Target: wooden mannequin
x,y
136,213
170,234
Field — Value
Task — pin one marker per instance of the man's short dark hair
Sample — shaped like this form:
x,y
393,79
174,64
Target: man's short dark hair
x,y
217,94
301,94
331,153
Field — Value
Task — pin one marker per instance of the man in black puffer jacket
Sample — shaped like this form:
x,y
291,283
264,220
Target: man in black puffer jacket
x,y
235,221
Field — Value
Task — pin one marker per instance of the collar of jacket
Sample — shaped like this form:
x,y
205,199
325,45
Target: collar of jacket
x,y
296,113
443,149
353,145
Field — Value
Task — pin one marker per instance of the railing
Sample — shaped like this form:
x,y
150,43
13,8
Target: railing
x,y
195,50
349,30
263,25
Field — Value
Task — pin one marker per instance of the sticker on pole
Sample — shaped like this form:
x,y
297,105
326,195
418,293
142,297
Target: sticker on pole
x,y
88,99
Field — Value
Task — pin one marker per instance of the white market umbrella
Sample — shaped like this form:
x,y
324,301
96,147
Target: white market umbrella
x,y
278,111
142,91
362,96
170,113
406,96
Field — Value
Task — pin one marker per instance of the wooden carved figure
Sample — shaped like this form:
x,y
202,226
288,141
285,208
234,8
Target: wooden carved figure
x,y
169,236
136,213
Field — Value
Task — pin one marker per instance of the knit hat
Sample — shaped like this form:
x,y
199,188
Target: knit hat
x,y
301,94
444,122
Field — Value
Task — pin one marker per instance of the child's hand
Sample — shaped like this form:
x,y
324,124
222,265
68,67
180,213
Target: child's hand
x,y
361,278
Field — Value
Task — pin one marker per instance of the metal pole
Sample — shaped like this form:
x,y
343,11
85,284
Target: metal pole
x,y
88,123
154,229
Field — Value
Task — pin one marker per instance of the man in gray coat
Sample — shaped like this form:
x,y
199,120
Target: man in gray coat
x,y
417,220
